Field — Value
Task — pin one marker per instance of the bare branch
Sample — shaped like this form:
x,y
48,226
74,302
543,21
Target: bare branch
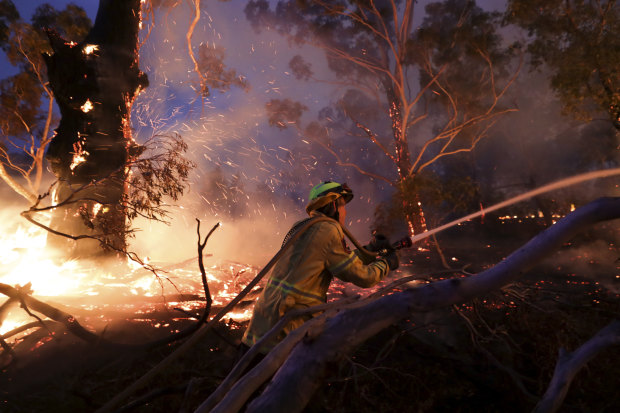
x,y
201,247
16,186
373,138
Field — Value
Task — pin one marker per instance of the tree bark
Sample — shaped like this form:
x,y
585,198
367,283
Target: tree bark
x,y
94,83
296,381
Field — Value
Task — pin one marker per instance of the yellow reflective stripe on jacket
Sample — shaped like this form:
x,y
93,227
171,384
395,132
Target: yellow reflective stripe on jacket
x,y
383,264
343,265
290,288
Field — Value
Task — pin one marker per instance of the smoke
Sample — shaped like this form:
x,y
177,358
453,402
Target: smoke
x,y
228,132
231,141
250,240
597,261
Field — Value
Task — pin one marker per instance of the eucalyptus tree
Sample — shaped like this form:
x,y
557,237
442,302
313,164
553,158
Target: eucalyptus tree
x,y
418,92
26,100
104,178
578,41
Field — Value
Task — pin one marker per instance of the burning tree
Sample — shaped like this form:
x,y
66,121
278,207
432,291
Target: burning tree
x,y
95,83
104,178
377,53
26,130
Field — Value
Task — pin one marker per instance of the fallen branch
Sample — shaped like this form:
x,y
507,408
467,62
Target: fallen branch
x,y
116,400
569,365
296,381
248,386
69,321
55,314
276,356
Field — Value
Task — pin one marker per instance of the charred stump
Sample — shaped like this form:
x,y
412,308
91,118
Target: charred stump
x,y
95,83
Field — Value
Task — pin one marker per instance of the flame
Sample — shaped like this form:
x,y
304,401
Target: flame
x,y
87,106
79,154
78,158
25,259
90,49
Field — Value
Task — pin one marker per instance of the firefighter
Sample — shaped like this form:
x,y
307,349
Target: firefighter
x,y
301,278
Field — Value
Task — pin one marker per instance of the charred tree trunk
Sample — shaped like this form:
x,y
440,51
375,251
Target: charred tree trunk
x,y
95,83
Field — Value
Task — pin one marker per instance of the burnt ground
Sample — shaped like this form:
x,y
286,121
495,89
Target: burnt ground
x,y
494,354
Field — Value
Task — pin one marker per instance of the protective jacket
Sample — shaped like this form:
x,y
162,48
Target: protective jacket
x,y
301,278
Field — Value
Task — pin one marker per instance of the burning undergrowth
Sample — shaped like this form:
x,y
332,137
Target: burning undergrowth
x,y
128,304
96,293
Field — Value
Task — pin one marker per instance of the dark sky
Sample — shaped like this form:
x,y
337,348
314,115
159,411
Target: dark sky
x,y
27,7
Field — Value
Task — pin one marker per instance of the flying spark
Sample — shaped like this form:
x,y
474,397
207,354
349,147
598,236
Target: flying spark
x,y
87,106
90,49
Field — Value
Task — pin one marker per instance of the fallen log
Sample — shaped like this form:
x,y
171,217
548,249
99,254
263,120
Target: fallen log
x,y
53,313
299,377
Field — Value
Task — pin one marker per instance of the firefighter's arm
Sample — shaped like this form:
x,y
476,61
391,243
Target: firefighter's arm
x,y
346,265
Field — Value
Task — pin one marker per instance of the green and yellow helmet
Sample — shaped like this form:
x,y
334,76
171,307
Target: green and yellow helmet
x,y
326,192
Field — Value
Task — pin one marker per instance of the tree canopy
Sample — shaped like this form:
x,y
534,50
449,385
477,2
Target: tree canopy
x,y
578,41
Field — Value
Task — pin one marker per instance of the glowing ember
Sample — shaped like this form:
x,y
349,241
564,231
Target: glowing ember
x,y
97,208
90,49
87,106
78,159
79,154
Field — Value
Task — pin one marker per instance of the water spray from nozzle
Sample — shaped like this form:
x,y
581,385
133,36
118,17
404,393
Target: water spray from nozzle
x,y
573,180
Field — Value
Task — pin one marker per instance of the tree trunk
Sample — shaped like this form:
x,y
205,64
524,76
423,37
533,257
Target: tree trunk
x,y
95,83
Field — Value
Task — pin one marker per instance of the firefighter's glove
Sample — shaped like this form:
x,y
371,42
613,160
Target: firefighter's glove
x,y
392,259
379,242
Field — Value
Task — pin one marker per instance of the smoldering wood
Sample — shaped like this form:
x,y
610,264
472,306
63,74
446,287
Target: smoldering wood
x,y
299,377
109,78
55,314
28,326
73,326
569,365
